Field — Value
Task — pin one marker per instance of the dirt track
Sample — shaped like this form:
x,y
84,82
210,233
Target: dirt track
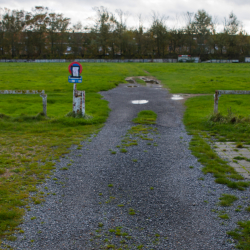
x,y
152,181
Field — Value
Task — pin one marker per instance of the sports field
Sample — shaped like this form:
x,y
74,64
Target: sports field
x,y
30,142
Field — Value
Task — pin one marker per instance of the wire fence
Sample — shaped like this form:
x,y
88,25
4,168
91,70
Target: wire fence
x,y
89,60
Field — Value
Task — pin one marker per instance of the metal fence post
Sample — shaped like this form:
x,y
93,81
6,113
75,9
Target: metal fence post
x,y
83,103
216,101
218,93
28,92
44,104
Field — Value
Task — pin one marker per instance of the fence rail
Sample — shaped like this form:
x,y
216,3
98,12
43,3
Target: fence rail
x,y
218,93
28,92
222,61
89,60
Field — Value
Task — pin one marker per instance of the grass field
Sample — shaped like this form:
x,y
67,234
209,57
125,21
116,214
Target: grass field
x,y
231,124
30,143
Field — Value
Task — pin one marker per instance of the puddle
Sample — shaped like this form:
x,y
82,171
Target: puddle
x,y
132,86
177,97
140,101
150,85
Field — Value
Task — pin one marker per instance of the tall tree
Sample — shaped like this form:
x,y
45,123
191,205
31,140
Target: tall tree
x,y
39,22
76,40
231,25
202,26
2,30
159,33
231,28
13,23
105,24
190,40
57,30
120,35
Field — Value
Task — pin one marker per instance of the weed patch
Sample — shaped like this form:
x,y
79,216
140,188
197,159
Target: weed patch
x,y
224,216
123,150
227,200
134,135
242,234
223,173
146,117
131,211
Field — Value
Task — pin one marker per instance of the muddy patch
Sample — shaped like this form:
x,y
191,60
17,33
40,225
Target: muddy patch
x,y
148,81
130,80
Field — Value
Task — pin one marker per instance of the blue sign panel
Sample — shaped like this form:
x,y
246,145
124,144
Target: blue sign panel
x,y
75,79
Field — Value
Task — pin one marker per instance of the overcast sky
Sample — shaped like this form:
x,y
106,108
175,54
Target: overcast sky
x,y
82,10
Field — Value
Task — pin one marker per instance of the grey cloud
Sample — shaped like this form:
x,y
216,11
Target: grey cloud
x,y
238,2
79,10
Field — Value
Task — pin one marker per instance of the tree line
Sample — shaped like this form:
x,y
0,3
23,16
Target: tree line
x,y
45,34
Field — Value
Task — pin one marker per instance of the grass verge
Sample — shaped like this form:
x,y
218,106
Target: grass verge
x,y
242,235
30,144
227,200
146,117
231,124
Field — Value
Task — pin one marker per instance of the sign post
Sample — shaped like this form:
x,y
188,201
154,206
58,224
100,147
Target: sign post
x,y
75,69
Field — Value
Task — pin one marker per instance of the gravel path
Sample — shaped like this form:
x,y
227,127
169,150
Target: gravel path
x,y
95,199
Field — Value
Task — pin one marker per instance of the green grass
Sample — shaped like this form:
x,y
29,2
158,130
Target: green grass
x,y
140,81
11,238
146,117
131,211
29,141
123,150
64,168
239,145
240,158
224,216
223,173
242,235
227,200
200,78
133,136
232,125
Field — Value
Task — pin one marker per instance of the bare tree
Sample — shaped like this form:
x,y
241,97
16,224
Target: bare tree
x,y
159,33
13,24
231,25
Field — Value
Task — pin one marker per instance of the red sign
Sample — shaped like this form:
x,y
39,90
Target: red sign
x,y
75,64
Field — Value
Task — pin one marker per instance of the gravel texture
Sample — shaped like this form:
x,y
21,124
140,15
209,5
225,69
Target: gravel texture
x,y
171,206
